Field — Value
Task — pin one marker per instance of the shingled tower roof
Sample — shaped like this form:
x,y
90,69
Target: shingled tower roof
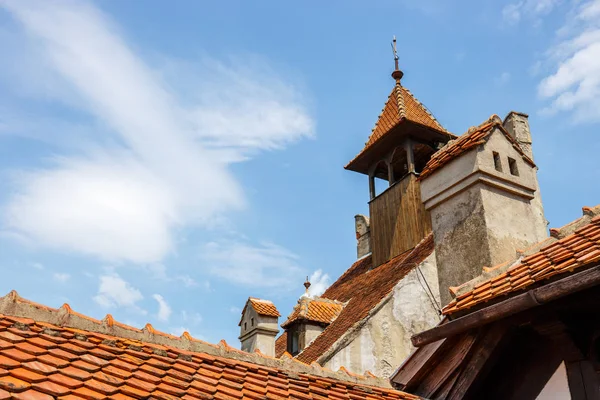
x,y
401,107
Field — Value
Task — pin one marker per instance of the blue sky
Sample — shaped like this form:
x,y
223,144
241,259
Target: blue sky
x,y
163,163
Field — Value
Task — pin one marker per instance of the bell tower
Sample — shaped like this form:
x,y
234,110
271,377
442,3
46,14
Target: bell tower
x,y
403,140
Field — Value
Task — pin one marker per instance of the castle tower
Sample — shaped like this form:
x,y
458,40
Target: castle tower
x,y
404,138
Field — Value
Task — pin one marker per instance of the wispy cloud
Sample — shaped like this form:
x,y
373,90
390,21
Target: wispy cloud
x,y
164,310
319,282
114,291
162,160
61,277
574,86
264,266
531,9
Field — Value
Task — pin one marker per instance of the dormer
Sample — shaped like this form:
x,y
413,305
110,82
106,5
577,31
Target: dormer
x,y
308,319
259,326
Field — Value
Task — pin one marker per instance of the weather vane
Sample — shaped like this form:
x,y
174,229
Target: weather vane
x,y
397,74
395,52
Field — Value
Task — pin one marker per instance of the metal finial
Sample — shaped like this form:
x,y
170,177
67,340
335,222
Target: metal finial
x,y
307,284
397,74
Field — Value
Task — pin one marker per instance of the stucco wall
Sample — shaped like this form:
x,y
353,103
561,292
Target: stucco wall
x,y
481,216
384,341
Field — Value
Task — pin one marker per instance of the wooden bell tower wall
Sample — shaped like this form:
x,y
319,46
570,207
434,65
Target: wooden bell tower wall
x,y
399,220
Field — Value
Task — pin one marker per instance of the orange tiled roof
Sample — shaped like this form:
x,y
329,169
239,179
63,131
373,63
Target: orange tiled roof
x,y
314,309
573,251
473,138
362,289
41,360
281,344
262,307
401,104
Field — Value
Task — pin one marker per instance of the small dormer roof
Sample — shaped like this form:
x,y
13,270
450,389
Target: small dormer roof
x,y
264,308
314,309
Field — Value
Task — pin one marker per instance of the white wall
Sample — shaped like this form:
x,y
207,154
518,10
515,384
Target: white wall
x,y
384,341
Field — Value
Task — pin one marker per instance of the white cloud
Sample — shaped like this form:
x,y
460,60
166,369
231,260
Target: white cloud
x,y
267,265
167,163
574,86
114,291
319,282
164,310
235,310
533,9
61,277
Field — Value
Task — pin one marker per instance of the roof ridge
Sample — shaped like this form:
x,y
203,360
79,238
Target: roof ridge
x,y
427,110
261,300
64,317
482,133
400,100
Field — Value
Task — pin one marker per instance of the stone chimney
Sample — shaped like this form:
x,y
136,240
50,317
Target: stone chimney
x,y
363,235
259,326
517,125
484,201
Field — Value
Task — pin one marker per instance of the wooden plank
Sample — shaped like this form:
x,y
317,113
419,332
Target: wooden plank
x,y
443,371
583,380
414,364
480,354
478,318
533,298
399,220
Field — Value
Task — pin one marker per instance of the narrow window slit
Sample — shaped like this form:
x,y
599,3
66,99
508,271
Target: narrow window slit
x,y
512,165
497,162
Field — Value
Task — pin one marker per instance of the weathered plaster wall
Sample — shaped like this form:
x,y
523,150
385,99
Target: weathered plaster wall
x,y
460,246
308,333
383,342
481,216
363,235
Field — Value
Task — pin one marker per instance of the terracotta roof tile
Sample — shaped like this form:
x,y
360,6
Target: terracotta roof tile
x,y
470,140
262,307
99,361
400,105
315,309
579,249
361,289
